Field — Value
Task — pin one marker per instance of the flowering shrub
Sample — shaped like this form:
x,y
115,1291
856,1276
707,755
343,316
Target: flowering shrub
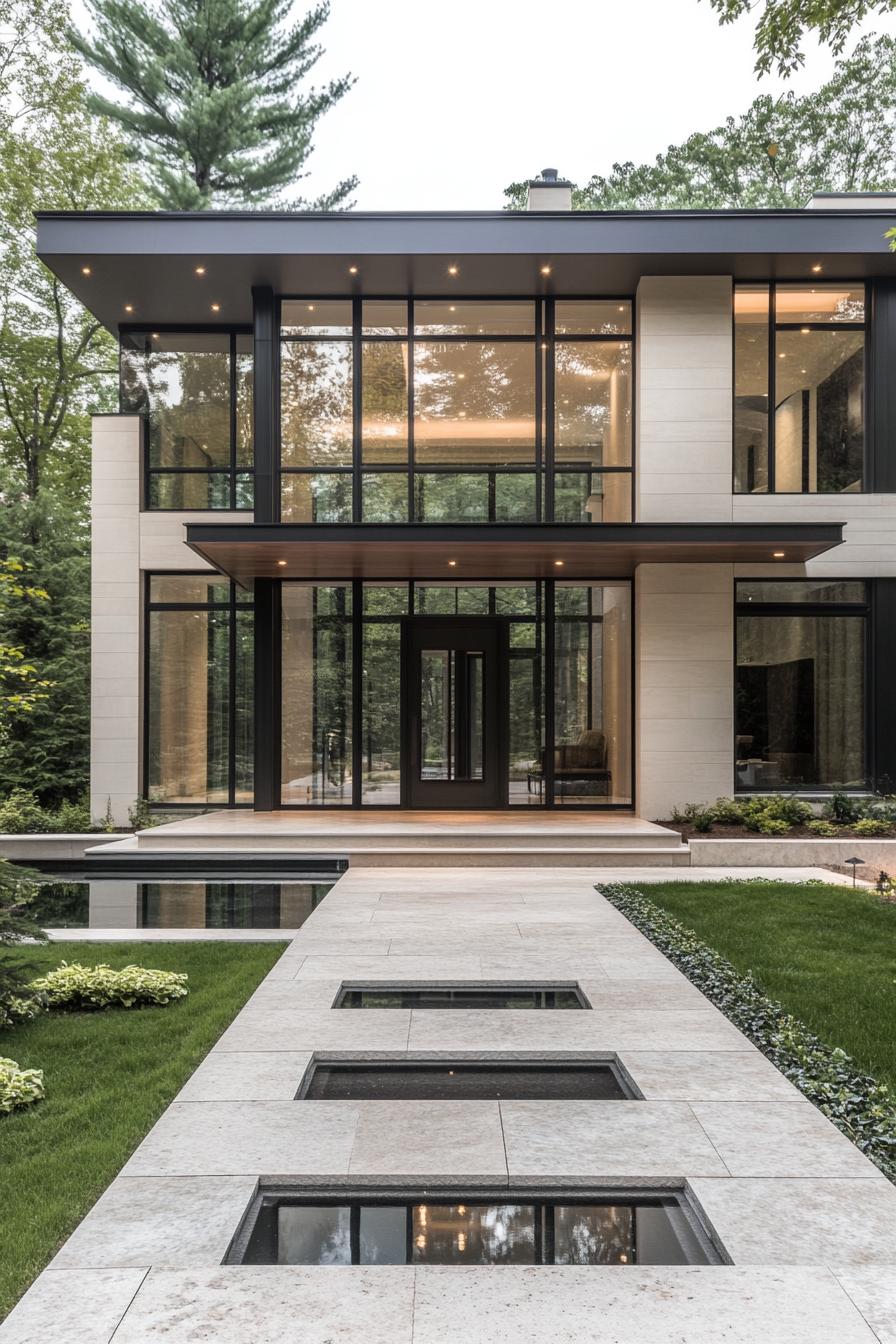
x,y
80,988
18,1087
861,1107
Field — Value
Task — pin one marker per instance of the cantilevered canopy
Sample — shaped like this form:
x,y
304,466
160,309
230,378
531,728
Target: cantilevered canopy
x,y
496,551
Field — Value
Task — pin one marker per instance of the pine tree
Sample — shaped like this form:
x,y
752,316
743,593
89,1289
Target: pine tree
x,y
214,106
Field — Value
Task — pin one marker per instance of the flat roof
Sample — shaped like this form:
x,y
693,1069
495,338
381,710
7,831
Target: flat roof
x,y
147,260
496,551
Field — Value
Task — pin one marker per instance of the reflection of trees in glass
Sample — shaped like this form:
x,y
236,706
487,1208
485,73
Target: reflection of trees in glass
x,y
384,407
316,403
474,402
186,393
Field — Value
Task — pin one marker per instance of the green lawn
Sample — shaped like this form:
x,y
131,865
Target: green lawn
x,y
108,1077
828,954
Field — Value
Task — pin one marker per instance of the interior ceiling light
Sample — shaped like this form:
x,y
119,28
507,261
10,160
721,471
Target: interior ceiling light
x,y
311,307
545,270
559,563
281,562
85,270
777,555
129,307
353,270
804,330
200,270
216,307
816,268
452,270
452,563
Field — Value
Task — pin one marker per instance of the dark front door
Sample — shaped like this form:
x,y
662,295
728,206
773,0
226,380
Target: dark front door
x,y
455,712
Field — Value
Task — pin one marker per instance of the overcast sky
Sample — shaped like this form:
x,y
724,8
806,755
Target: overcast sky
x,y
455,101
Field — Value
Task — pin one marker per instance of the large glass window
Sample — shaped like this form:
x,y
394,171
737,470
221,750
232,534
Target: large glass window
x,y
800,684
592,694
195,389
198,686
799,374
316,728
456,411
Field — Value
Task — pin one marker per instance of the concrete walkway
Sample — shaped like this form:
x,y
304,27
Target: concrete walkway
x,y
809,1224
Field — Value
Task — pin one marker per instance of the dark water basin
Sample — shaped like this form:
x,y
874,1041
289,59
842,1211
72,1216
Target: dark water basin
x,y
464,1080
461,996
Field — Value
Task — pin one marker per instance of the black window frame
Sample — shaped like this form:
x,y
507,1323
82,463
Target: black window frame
x,y
543,341
774,327
231,606
235,473
865,610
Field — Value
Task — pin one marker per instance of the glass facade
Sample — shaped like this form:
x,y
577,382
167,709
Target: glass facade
x,y
198,691
466,411
800,684
799,374
342,743
195,389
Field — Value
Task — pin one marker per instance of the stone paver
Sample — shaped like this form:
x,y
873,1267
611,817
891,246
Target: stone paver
x,y
809,1224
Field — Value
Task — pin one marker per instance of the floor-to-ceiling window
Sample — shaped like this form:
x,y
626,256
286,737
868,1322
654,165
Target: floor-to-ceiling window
x,y
799,378
195,389
342,715
800,704
199,711
456,410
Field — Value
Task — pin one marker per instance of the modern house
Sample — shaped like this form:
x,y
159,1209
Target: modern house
x,y
535,510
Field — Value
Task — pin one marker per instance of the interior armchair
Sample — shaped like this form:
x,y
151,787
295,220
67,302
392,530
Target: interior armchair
x,y
580,767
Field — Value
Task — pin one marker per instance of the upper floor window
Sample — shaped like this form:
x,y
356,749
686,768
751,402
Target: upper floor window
x,y
799,388
195,389
455,410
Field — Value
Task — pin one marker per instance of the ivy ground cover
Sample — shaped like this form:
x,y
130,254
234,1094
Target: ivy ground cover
x,y
108,1077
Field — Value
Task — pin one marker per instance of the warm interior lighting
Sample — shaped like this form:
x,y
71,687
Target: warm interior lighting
x,y
805,330
777,555
85,270
452,270
200,270
311,307
155,335
129,307
216,307
816,268
545,270
281,562
559,563
452,563
353,270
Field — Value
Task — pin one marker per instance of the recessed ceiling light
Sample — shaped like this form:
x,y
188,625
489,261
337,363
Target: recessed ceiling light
x,y
559,563
804,330
85,270
622,307
544,345
782,355
452,563
216,307
452,270
461,375
129,307
311,307
816,268
777,555
545,270
281,562
155,335
200,270
353,270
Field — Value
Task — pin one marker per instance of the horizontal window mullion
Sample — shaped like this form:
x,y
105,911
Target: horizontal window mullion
x,y
798,609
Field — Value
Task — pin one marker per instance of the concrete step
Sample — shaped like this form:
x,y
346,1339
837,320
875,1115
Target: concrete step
x,y
444,840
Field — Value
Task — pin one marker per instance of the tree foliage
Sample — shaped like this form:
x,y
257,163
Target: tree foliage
x,y
781,150
783,25
217,102
57,365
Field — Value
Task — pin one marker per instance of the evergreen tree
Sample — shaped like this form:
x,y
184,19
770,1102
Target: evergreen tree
x,y
215,105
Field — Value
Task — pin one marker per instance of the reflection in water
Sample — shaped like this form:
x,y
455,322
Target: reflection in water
x,y
473,1234
112,903
653,1230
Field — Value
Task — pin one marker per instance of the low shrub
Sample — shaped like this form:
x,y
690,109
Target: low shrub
x,y
728,811
861,1107
22,814
874,826
18,1087
773,826
823,828
78,988
843,809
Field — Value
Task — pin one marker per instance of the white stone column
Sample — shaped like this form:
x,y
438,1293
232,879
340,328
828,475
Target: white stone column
x,y
115,646
684,412
684,650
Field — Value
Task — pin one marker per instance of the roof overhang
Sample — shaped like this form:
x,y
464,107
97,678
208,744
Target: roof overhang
x,y
495,551
148,260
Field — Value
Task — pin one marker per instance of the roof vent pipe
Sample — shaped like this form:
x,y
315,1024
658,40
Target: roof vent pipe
x,y
549,192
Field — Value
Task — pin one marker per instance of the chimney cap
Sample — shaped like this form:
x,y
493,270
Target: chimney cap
x,y
549,177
